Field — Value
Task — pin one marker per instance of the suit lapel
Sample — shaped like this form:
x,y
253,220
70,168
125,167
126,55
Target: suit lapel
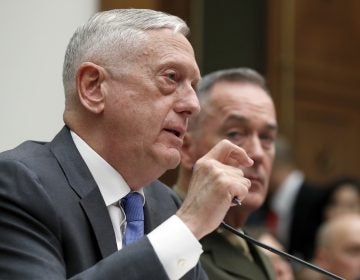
x,y
230,259
158,206
263,261
93,205
82,182
152,216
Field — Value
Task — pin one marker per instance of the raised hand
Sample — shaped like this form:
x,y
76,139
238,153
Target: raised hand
x,y
217,179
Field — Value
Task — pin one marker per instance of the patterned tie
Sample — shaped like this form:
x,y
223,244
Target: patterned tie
x,y
132,204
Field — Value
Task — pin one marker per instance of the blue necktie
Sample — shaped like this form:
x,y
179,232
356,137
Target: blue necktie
x,y
133,206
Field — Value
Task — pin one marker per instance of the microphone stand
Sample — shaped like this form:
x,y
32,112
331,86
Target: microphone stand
x,y
278,252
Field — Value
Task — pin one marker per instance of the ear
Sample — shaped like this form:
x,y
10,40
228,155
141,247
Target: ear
x,y
88,81
187,156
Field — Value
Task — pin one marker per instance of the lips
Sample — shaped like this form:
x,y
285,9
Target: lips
x,y
254,179
173,131
177,130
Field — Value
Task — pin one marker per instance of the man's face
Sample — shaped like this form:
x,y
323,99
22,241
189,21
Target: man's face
x,y
342,256
245,115
148,106
344,200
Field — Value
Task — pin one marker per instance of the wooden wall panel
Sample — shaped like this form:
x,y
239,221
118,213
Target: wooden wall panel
x,y
139,4
327,88
178,8
319,52
328,31
327,140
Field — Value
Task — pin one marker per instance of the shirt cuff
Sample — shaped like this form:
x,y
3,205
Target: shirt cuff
x,y
176,246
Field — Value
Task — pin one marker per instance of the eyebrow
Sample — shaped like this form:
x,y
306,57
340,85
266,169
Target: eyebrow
x,y
244,120
174,63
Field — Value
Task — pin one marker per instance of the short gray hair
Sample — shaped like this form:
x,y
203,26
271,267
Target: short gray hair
x,y
241,74
113,32
329,229
233,75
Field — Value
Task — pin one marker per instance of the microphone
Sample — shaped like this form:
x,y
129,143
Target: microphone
x,y
278,252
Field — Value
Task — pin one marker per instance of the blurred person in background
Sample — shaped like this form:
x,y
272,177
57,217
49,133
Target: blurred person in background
x,y
337,249
236,106
292,210
342,196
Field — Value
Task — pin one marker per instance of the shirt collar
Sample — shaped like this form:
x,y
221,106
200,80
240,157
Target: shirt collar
x,y
111,184
287,192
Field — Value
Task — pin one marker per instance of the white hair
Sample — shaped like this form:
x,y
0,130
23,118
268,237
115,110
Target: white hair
x,y
110,34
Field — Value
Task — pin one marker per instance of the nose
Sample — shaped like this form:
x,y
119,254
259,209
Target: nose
x,y
255,149
188,102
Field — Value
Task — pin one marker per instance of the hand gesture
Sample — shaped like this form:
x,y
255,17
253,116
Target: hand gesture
x,y
217,179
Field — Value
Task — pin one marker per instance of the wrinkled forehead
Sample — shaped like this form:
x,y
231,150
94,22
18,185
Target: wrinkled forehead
x,y
165,47
243,97
239,90
166,40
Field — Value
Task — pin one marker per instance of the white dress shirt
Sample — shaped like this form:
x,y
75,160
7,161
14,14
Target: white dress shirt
x,y
283,201
173,242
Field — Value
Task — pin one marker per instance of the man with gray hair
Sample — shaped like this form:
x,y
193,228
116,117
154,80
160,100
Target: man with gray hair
x,y
236,106
88,205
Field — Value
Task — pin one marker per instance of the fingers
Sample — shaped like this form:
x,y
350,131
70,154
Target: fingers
x,y
241,190
216,181
212,189
223,165
230,154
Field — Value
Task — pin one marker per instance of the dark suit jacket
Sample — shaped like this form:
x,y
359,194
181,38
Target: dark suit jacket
x,y
307,216
54,223
222,261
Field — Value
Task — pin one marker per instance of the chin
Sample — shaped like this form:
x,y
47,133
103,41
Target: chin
x,y
170,159
254,201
